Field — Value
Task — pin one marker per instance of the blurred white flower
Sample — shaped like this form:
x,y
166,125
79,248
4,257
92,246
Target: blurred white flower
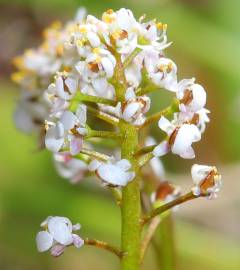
x,y
57,235
69,167
68,131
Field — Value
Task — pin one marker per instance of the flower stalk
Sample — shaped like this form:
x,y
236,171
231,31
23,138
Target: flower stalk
x,y
184,198
103,245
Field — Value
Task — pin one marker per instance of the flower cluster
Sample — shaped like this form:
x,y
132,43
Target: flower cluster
x,y
104,69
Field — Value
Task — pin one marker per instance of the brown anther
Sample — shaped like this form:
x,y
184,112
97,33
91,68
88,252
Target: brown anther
x,y
163,190
142,101
33,99
66,88
74,131
173,136
208,182
195,119
37,121
123,34
93,66
148,26
187,98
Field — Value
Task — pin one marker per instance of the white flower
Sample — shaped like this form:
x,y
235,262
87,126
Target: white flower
x,y
180,139
64,87
199,118
70,167
100,61
113,172
192,96
153,36
206,179
122,30
134,108
162,71
57,235
68,131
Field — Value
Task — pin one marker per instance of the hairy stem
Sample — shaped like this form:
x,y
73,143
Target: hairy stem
x,y
184,198
103,245
131,205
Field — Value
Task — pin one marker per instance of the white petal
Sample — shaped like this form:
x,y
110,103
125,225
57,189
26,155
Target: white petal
x,y
80,14
157,167
44,241
187,134
68,120
162,149
199,97
165,125
124,164
93,165
113,174
76,144
61,229
93,39
188,153
100,85
81,114
107,66
200,172
57,250
130,110
77,241
130,94
76,227
71,84
51,141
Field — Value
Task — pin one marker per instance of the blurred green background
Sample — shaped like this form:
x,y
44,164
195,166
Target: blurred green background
x,y
206,45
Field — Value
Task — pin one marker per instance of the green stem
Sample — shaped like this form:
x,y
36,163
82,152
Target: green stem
x,y
166,247
165,112
131,205
93,154
130,58
150,87
80,97
104,116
